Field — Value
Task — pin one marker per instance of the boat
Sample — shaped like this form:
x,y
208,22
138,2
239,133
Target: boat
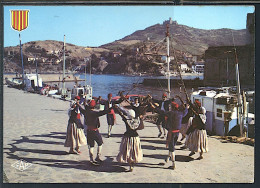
x,y
32,82
222,109
15,82
85,92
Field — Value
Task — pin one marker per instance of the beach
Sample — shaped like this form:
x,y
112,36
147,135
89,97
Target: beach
x,y
34,130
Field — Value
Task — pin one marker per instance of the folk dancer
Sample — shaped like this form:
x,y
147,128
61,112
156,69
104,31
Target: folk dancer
x,y
197,135
93,135
174,118
111,117
164,106
130,150
139,107
75,136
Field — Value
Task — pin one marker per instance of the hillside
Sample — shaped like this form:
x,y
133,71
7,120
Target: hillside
x,y
127,55
184,38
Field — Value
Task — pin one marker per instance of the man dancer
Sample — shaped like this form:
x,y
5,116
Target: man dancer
x,y
164,106
173,124
92,122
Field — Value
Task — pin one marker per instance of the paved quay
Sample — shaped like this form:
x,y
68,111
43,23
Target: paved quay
x,y
34,130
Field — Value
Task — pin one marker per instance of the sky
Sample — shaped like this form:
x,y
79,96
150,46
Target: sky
x,y
98,25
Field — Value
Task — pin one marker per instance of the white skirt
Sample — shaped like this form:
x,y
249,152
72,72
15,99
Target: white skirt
x,y
130,150
197,141
75,136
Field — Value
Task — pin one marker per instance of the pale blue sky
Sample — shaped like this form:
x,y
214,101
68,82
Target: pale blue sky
x,y
97,25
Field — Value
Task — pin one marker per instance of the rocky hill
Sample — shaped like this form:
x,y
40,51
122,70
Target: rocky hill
x,y
127,55
184,38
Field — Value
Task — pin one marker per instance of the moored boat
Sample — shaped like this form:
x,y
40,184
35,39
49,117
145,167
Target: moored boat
x,y
222,109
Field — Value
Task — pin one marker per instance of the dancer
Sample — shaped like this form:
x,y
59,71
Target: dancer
x,y
164,106
111,117
173,125
130,148
140,108
93,123
197,140
75,136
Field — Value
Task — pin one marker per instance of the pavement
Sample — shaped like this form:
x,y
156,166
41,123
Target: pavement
x,y
33,150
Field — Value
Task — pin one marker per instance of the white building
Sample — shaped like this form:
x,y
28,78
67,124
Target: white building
x,y
30,80
184,67
198,67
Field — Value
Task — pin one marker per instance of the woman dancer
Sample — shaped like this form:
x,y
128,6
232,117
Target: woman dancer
x,y
130,148
197,140
75,131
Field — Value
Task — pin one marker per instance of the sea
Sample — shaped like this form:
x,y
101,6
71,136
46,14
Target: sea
x,y
104,84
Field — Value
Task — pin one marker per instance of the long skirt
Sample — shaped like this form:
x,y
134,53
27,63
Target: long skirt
x,y
198,141
185,126
75,136
130,150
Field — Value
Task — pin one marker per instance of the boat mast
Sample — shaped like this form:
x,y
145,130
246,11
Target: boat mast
x,y
21,56
36,71
168,61
63,93
239,108
90,72
85,71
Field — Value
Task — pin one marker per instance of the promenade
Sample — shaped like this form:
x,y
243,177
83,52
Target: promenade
x,y
34,130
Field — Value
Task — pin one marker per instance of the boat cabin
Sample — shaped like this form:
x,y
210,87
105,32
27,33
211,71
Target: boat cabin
x,y
221,107
30,81
83,92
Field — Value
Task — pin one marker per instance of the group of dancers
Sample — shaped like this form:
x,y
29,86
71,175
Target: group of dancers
x,y
174,119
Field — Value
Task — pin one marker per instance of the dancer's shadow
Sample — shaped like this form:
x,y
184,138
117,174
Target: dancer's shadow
x,y
149,147
153,141
180,158
53,135
112,135
107,165
25,139
14,149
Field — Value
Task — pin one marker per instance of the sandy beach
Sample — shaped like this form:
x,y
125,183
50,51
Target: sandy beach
x,y
34,130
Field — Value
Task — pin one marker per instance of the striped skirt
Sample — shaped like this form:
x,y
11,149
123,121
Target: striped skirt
x,y
130,150
197,141
75,136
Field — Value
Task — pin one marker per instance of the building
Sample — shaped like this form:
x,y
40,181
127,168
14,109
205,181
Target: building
x,y
184,67
220,65
220,61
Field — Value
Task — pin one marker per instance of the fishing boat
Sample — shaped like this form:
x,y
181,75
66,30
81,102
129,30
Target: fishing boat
x,y
85,92
15,82
222,109
32,82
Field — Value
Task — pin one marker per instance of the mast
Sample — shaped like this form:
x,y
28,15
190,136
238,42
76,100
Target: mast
x,y
90,72
85,71
21,56
168,61
63,79
36,72
239,108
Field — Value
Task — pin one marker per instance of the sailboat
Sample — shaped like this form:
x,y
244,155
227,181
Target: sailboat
x,y
84,92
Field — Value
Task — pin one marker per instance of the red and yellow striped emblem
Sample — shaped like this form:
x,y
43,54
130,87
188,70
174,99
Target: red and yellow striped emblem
x,y
19,19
